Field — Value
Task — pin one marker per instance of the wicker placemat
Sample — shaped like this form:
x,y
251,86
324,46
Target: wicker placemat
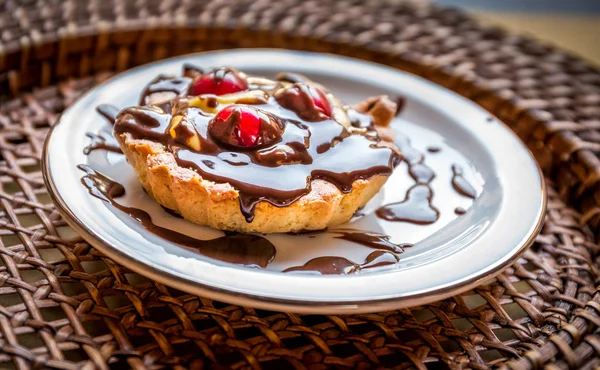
x,y
63,305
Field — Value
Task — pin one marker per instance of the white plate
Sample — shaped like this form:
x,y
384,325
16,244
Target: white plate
x,y
449,256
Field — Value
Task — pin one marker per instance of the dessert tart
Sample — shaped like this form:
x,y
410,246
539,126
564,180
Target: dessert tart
x,y
250,154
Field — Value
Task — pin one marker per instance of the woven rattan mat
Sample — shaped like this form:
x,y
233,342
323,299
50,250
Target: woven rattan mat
x,y
63,305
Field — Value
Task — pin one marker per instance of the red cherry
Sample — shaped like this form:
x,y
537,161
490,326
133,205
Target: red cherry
x,y
309,102
218,82
320,100
245,124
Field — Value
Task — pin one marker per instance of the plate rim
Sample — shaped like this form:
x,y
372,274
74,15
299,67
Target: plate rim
x,y
282,303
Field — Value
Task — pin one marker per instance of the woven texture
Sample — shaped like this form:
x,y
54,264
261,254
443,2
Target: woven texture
x,y
63,305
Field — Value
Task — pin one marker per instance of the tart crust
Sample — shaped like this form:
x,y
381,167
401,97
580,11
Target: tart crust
x,y
217,205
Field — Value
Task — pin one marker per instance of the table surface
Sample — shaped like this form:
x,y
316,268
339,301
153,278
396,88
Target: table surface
x,y
575,33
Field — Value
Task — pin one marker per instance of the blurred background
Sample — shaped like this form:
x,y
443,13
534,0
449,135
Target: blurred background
x,y
573,25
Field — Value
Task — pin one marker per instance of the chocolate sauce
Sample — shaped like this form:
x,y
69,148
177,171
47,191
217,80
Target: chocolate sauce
x,y
421,173
328,265
416,208
108,111
460,211
191,71
240,249
307,232
306,151
461,185
433,149
378,259
101,140
226,130
334,265
171,212
299,98
400,104
411,155
372,240
292,77
104,140
360,120
177,86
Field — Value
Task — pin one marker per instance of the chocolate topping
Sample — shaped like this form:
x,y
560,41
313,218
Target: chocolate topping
x,y
176,86
104,140
292,77
460,184
227,131
333,265
372,240
101,140
460,211
386,253
304,100
224,73
219,81
416,208
421,173
360,120
294,150
108,111
400,104
191,71
240,249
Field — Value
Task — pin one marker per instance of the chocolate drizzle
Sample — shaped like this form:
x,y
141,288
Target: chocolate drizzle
x,y
461,185
292,77
104,140
108,111
247,249
169,86
460,211
240,249
300,98
191,71
226,130
386,253
372,240
280,173
400,104
333,265
416,208
101,140
360,120
411,155
328,265
421,173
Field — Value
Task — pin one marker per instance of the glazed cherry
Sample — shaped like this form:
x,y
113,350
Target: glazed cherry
x,y
320,100
218,82
244,126
309,102
244,121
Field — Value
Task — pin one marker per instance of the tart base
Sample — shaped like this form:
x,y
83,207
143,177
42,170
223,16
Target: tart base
x,y
217,205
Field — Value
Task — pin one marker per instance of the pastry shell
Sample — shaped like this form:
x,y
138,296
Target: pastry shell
x,y
217,205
